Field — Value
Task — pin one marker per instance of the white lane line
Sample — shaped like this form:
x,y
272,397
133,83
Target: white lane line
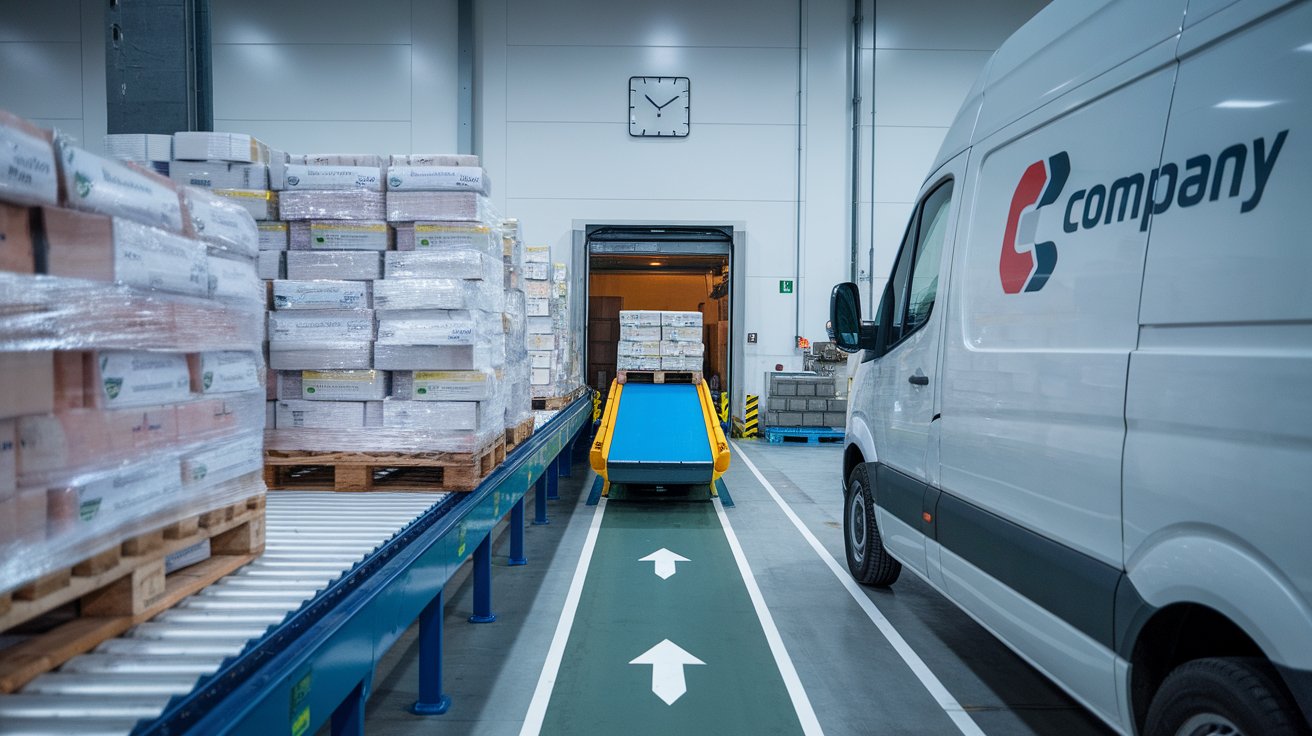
x,y
537,709
936,690
797,693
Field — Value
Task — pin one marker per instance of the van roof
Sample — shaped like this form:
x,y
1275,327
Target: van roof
x,y
1062,47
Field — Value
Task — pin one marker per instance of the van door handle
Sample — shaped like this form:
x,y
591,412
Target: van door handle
x,y
919,380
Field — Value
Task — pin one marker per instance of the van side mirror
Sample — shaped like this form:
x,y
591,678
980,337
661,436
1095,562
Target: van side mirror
x,y
850,334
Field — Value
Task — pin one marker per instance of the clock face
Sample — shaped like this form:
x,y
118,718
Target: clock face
x,y
659,107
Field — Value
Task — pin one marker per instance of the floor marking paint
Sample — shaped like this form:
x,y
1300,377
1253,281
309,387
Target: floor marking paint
x,y
537,709
665,561
667,661
927,678
801,703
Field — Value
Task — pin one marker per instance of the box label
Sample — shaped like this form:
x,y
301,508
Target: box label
x,y
27,168
141,378
333,177
100,185
150,258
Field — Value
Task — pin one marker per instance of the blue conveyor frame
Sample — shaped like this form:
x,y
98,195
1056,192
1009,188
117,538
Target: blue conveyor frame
x,y
316,666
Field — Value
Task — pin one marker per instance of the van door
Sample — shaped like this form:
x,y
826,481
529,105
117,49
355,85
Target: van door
x,y
906,381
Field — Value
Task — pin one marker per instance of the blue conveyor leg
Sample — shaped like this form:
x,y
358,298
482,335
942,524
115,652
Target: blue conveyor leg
x,y
540,500
432,702
483,583
566,460
553,480
348,719
517,534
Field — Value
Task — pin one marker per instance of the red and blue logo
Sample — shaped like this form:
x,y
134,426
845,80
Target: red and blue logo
x,y
1040,185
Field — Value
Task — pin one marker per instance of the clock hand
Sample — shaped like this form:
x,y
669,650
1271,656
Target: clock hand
x,y
653,102
662,107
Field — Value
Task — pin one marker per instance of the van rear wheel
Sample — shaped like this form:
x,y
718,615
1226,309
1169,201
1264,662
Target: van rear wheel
x,y
867,560
1225,696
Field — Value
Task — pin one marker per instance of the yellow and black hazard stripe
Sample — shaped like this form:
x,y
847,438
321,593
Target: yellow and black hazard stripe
x,y
724,406
751,422
596,405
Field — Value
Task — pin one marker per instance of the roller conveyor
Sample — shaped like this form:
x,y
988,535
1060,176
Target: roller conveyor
x,y
342,576
166,655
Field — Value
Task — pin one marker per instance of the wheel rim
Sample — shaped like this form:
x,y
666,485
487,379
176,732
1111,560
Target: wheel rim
x,y
1208,724
856,523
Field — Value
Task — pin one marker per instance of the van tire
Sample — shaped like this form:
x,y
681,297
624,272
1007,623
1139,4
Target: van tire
x,y
867,560
1223,695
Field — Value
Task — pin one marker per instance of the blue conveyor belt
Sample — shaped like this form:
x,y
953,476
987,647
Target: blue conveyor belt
x,y
659,436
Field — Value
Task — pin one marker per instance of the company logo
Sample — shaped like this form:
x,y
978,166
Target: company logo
x,y
1135,196
293,181
1040,186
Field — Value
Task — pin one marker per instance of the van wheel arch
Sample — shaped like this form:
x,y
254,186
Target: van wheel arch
x,y
1173,636
852,457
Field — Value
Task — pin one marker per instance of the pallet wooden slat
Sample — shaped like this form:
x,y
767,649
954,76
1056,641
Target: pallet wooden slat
x,y
382,471
556,403
693,377
124,586
518,434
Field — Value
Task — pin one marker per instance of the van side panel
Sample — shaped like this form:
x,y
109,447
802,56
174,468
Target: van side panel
x,y
1218,459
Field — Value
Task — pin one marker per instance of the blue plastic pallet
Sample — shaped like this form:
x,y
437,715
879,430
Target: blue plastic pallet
x,y
807,435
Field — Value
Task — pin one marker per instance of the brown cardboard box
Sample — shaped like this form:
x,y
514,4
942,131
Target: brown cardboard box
x,y
605,307
87,438
16,239
30,515
77,243
28,384
207,418
70,380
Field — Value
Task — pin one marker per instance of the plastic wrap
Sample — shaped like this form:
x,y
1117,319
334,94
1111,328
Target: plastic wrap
x,y
339,235
449,264
28,173
143,148
52,313
262,204
397,295
331,385
438,179
322,294
272,264
371,160
334,415
431,206
433,159
95,184
325,177
220,174
382,440
221,222
342,264
101,248
273,235
439,357
351,204
444,385
211,146
447,236
299,356
440,327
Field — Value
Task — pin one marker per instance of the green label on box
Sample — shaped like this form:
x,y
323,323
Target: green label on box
x,y
785,286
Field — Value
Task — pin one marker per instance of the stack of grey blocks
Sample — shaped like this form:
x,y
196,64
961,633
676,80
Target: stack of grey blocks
x,y
804,401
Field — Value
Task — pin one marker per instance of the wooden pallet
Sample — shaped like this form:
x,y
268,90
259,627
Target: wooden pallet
x,y
693,377
556,403
519,434
286,470
124,586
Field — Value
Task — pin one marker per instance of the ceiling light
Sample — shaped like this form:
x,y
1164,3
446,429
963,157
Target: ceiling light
x,y
654,263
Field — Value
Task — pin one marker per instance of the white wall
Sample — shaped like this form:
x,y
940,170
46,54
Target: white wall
x,y
922,58
52,65
553,105
314,76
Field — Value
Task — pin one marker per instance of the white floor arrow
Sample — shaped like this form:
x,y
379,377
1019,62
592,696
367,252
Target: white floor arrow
x,y
664,560
667,660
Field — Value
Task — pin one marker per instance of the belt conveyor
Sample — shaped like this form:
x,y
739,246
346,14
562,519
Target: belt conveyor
x,y
660,434
341,577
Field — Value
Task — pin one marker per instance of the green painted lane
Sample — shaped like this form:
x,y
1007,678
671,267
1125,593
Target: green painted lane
x,y
700,613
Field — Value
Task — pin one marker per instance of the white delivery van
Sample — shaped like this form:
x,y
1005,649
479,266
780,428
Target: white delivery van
x,y
1083,411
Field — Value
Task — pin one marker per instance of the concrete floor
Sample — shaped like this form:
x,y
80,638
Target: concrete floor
x,y
855,680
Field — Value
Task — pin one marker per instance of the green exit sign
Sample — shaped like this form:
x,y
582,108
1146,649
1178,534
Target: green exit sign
x,y
785,286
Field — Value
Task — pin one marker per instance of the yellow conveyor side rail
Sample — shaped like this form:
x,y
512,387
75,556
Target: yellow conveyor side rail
x,y
601,444
714,432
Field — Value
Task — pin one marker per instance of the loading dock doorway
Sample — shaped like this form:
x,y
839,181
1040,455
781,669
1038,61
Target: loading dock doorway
x,y
685,268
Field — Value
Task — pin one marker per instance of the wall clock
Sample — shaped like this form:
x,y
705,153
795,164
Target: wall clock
x,y
659,107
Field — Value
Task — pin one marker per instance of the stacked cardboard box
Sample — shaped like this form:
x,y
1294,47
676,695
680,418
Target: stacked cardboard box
x,y
401,325
803,400
552,354
519,399
603,339
652,340
133,367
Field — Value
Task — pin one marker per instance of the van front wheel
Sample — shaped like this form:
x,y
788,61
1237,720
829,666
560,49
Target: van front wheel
x,y
868,561
1223,695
